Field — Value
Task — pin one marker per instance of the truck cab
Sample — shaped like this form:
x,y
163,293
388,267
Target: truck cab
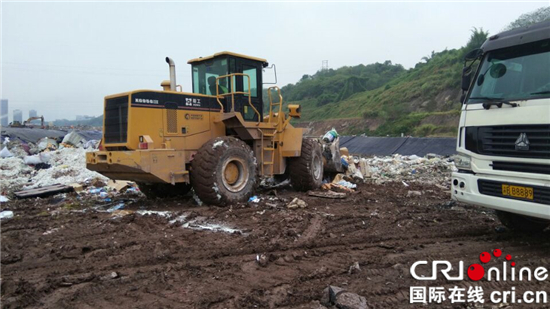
x,y
504,133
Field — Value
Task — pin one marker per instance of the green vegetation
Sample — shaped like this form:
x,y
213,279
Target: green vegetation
x,y
400,99
537,16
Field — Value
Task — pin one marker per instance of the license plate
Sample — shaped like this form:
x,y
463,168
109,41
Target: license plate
x,y
517,191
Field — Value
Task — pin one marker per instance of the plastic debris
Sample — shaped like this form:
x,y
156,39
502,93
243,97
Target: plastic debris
x,y
5,153
254,199
330,136
47,143
296,203
347,184
116,207
4,199
6,214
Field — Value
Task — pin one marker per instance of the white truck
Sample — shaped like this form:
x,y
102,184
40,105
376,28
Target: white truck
x,y
503,139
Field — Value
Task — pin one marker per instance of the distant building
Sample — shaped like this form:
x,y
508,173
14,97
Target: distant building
x,y
33,113
17,115
4,113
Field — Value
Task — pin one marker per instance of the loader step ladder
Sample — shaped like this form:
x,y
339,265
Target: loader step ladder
x,y
272,104
268,151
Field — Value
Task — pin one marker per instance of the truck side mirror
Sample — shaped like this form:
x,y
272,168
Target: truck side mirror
x,y
473,54
466,78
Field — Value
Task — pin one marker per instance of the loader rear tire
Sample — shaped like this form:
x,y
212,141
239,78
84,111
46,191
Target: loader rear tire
x,y
162,190
522,223
223,171
306,171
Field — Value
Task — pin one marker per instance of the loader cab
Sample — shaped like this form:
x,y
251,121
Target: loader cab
x,y
206,70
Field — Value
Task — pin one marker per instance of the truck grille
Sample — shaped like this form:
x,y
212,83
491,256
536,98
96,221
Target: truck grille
x,y
116,120
521,167
501,140
541,195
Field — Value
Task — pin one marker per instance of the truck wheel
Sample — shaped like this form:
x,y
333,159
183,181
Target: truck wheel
x,y
223,171
522,223
306,171
161,190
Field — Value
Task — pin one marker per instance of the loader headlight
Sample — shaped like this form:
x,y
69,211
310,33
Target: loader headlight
x,y
463,162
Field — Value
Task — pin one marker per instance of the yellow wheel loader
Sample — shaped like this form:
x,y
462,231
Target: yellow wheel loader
x,y
217,139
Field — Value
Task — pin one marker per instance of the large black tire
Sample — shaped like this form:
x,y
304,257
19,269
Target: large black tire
x,y
223,171
162,190
522,223
306,171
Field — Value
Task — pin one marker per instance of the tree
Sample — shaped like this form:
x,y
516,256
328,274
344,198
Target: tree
x,y
477,38
537,16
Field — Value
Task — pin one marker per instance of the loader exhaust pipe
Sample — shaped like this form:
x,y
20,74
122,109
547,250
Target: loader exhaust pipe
x,y
172,65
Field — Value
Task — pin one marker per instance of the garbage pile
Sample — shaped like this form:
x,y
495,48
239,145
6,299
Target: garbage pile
x,y
431,169
27,165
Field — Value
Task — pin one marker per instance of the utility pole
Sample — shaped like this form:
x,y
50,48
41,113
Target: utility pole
x,y
324,65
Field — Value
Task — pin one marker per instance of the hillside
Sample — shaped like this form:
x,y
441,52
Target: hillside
x,y
94,122
421,101
384,99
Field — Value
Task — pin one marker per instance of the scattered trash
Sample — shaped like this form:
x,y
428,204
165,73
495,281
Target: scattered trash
x,y
354,268
77,187
116,207
330,136
347,184
118,185
197,225
48,232
4,199
43,191
262,260
6,214
328,194
47,143
336,187
5,153
296,203
155,212
254,199
197,199
414,193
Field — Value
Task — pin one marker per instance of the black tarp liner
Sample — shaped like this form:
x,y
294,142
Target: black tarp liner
x,y
387,146
31,135
91,135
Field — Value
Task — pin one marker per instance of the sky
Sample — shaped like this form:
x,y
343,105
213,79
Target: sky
x,y
63,58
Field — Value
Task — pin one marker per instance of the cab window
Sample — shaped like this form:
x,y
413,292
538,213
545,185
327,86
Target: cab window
x,y
251,71
205,74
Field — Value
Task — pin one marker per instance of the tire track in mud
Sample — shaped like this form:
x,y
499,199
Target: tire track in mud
x,y
163,265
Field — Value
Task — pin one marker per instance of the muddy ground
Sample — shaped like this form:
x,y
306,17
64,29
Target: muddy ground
x,y
54,255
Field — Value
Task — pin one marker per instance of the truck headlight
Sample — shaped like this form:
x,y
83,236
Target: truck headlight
x,y
463,162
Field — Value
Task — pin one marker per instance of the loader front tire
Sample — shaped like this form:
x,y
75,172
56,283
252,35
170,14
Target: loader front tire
x,y
223,171
306,171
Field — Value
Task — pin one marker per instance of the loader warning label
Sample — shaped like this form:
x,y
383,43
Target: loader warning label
x,y
193,117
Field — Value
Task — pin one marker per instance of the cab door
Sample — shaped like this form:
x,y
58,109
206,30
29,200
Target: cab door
x,y
254,70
